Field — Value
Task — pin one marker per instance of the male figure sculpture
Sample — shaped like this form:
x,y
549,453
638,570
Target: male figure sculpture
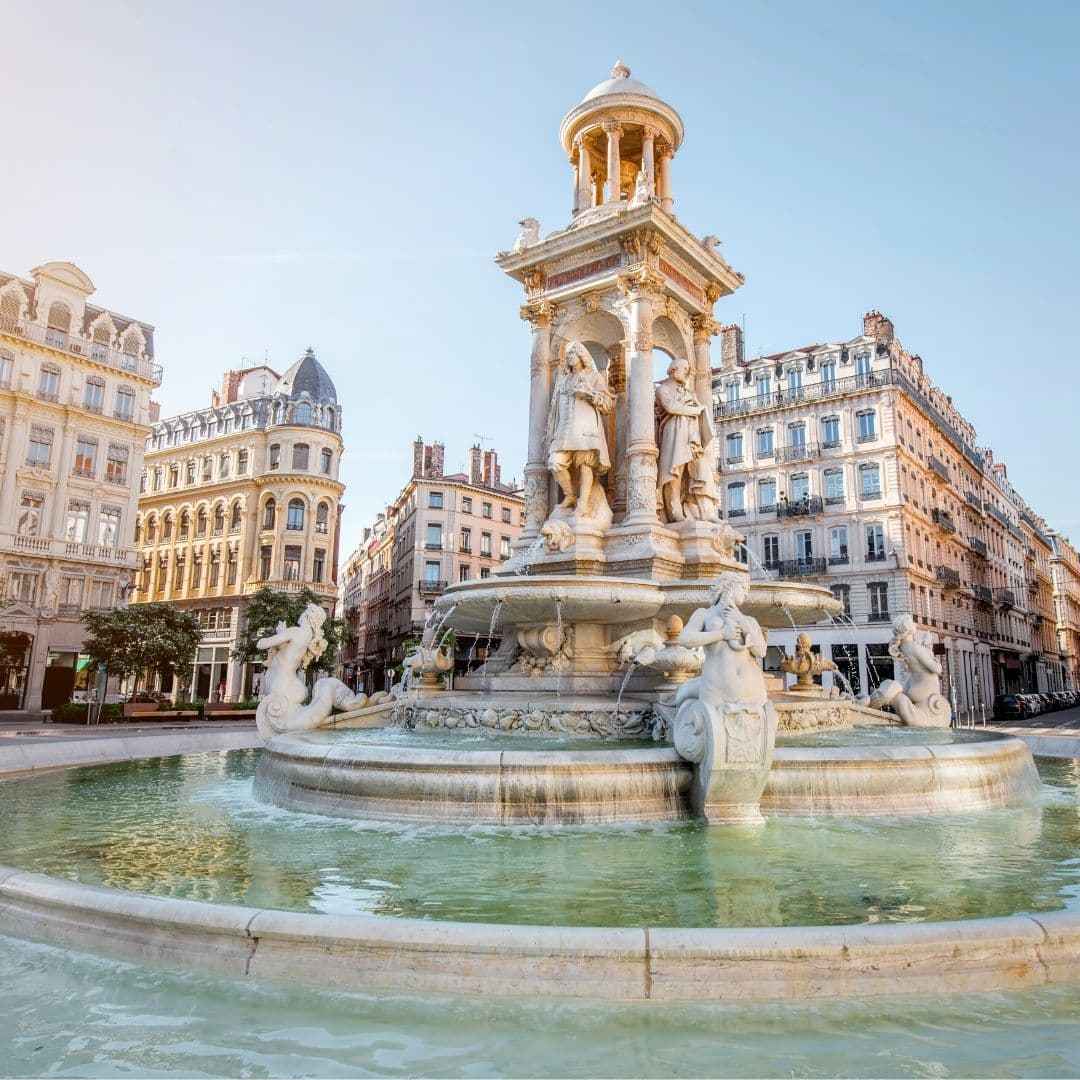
x,y
577,445
289,650
916,699
684,431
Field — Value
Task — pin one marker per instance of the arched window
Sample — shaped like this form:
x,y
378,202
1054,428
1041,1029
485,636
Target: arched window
x,y
322,518
295,519
302,413
234,518
185,525
327,461
300,456
275,455
151,530
138,531
269,512
219,519
201,522
166,527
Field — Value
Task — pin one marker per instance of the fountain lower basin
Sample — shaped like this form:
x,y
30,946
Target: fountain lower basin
x,y
384,777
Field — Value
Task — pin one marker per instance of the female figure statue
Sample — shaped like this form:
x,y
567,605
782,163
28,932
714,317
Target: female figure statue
x,y
683,434
916,699
289,650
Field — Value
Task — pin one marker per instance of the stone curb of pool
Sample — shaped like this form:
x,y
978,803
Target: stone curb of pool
x,y
631,964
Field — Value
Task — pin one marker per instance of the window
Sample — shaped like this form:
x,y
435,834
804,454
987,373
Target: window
x,y
196,571
485,509
464,572
302,415
207,467
794,381
804,546
116,463
100,594
219,520
151,530
433,536
466,541
765,448
39,449
834,486
485,571
485,544
108,526
870,481
7,367
174,475
322,518
295,517
223,465
830,431
506,515
292,563
234,518
763,386
862,369
431,571
466,504
94,394
166,527
300,456
734,448
275,456
736,500
49,383
327,459
875,543
319,566
85,454
71,592
435,500
771,551
265,553
797,436
189,472
732,391
838,546
241,462
878,592
77,521
202,522
766,495
155,479
843,594
799,487
124,405
828,376
23,587
215,570
185,525
269,512
504,547
867,426
178,573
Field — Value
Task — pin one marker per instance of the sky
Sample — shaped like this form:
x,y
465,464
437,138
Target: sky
x,y
256,178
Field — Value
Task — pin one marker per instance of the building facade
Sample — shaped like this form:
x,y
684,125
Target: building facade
x,y
442,528
238,496
75,408
1065,584
845,464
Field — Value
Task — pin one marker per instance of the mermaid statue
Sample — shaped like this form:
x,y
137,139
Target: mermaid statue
x,y
289,650
917,699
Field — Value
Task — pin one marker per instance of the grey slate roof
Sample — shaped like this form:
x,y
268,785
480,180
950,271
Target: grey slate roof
x,y
308,376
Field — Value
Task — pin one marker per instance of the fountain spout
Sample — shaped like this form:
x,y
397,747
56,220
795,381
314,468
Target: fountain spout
x,y
804,665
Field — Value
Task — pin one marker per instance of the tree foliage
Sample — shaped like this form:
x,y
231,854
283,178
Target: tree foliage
x,y
142,638
268,607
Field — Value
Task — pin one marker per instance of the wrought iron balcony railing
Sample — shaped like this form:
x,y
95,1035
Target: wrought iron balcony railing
x,y
979,546
804,507
943,520
796,568
948,577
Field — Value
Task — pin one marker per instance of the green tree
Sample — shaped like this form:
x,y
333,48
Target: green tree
x,y
268,607
142,638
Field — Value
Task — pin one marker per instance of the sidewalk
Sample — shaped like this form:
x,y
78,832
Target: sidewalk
x,y
40,731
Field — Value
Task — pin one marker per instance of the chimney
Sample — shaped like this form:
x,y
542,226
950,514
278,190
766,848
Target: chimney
x,y
437,459
731,346
475,471
491,468
155,411
230,386
418,457
878,326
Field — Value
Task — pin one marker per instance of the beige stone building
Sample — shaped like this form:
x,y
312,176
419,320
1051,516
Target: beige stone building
x,y
75,386
237,496
441,528
845,464
1065,583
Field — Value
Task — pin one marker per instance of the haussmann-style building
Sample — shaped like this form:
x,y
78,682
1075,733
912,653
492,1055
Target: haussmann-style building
x,y
237,496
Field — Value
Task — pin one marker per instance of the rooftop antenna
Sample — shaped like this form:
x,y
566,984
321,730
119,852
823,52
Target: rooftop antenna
x,y
481,439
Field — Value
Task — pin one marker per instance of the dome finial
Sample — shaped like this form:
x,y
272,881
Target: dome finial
x,y
620,70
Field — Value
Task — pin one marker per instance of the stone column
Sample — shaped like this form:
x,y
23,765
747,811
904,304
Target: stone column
x,y
63,471
16,456
648,159
611,189
539,315
664,181
641,450
582,178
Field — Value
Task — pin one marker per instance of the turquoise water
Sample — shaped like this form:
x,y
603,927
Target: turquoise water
x,y
470,739
189,827
884,735
67,1014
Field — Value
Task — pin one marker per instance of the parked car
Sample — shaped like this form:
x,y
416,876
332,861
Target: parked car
x,y
1011,707
1032,703
1063,699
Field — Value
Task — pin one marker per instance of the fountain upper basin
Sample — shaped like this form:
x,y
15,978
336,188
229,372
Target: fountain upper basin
x,y
531,600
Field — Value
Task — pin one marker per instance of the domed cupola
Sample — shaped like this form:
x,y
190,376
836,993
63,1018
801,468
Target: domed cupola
x,y
308,377
621,128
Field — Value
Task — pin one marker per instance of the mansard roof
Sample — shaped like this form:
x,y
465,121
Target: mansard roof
x,y
308,376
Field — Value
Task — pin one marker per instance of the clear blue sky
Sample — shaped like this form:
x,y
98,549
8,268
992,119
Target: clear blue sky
x,y
254,178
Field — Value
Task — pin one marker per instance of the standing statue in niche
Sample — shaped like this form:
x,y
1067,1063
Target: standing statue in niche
x,y
289,650
683,433
577,445
917,699
724,723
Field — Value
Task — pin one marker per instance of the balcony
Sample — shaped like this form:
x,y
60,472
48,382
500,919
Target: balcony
x,y
998,516
870,494
768,508
799,452
879,617
48,395
974,501
839,560
431,588
875,556
830,444
804,507
737,512
100,354
800,568
939,468
431,546
835,500
734,459
978,546
984,593
1005,598
768,454
943,520
948,577
870,436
